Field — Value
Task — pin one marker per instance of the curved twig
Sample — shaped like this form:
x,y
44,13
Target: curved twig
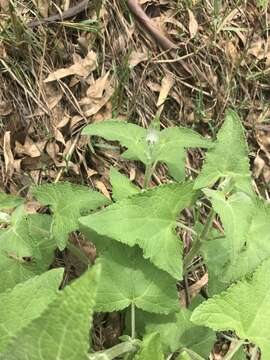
x,y
74,10
148,24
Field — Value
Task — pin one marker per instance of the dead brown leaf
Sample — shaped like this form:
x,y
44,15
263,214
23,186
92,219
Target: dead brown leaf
x,y
193,289
8,156
4,5
30,148
43,7
257,48
58,135
96,90
166,85
231,51
193,25
80,67
5,107
259,164
53,150
136,57
97,96
100,186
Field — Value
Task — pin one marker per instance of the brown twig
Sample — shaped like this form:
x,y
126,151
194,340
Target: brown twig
x,y
165,43
148,24
74,10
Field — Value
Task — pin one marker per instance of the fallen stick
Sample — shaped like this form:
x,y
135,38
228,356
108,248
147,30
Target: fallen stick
x,y
74,10
148,24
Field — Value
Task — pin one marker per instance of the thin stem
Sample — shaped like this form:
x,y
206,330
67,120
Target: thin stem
x,y
207,226
193,252
231,353
147,177
133,321
199,239
115,351
183,226
192,353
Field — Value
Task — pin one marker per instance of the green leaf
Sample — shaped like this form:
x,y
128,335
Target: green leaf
x,y
14,268
149,220
25,302
216,255
150,348
127,278
236,214
244,308
122,187
39,229
178,332
228,158
149,145
68,202
132,136
247,231
171,148
188,354
16,238
62,331
13,271
9,201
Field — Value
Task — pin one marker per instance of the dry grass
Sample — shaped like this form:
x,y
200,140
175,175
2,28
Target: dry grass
x,y
222,60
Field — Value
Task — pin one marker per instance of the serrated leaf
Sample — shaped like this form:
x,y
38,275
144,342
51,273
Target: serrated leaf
x,y
132,136
127,278
150,348
216,255
171,148
9,201
188,354
244,308
68,202
149,220
25,302
236,214
122,187
228,157
39,229
62,331
16,239
13,267
178,332
247,232
13,271
149,145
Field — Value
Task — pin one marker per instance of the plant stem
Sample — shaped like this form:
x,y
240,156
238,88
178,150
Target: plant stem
x,y
133,321
147,176
229,355
193,251
207,226
115,351
183,226
192,354
199,239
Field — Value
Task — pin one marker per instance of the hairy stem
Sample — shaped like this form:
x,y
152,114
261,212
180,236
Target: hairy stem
x,y
147,177
199,239
133,321
115,351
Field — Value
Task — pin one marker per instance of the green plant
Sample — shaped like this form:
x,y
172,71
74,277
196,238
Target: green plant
x,y
141,255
